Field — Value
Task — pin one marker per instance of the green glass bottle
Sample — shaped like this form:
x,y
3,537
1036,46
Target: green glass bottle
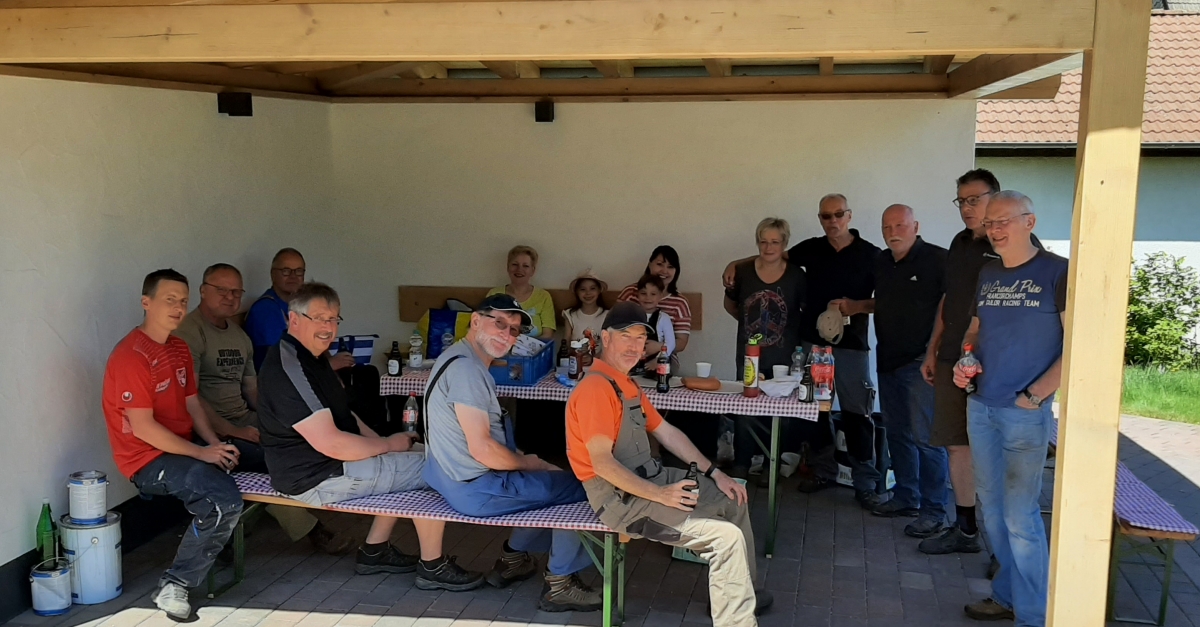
x,y
46,542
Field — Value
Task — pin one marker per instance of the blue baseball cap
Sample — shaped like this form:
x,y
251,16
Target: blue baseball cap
x,y
504,302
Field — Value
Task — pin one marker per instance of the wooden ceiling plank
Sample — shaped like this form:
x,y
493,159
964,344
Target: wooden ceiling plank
x,y
343,77
615,69
55,72
199,73
937,63
992,73
424,71
1045,89
543,29
825,66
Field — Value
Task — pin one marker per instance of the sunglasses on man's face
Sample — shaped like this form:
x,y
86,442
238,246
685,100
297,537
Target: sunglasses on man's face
x,y
836,215
501,325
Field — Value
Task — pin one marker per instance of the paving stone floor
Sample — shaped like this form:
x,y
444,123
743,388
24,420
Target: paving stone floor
x,y
834,566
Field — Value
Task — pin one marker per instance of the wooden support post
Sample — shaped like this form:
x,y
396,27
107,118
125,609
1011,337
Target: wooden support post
x,y
1114,81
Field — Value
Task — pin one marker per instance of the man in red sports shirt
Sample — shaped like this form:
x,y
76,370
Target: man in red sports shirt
x,y
153,416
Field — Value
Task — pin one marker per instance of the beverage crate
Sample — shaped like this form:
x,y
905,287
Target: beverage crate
x,y
524,371
362,347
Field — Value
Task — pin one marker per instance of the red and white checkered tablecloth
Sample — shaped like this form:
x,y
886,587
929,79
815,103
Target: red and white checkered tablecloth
x,y
679,399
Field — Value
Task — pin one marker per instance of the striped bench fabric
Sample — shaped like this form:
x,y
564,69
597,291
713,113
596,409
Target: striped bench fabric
x,y
430,505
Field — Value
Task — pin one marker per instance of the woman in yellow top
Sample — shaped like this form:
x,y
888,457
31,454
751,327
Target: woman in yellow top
x,y
522,265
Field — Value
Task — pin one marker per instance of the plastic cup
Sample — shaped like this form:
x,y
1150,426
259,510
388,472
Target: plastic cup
x,y
703,369
779,372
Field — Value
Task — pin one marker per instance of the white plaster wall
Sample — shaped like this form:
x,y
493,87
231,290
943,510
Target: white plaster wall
x,y
437,194
1168,218
100,185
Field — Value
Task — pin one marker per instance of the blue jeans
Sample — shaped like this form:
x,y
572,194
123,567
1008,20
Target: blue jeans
x,y
496,493
907,404
213,499
1008,449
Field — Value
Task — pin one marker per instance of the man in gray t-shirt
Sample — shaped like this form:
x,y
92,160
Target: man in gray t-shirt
x,y
472,461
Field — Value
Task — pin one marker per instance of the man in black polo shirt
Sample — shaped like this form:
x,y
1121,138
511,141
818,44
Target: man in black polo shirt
x,y
910,278
840,269
319,452
969,252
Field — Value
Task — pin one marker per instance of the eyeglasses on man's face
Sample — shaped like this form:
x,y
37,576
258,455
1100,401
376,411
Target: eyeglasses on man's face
x,y
336,320
226,291
836,215
290,271
970,201
513,330
1002,223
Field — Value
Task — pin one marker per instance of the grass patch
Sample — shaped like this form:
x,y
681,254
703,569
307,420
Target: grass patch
x,y
1165,395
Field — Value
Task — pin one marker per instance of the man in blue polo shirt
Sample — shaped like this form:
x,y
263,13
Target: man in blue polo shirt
x,y
267,320
1017,333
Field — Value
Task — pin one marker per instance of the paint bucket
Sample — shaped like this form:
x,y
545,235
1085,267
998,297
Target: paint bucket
x,y
94,552
89,497
50,584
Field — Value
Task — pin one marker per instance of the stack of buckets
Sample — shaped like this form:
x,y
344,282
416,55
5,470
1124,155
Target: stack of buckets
x,y
90,569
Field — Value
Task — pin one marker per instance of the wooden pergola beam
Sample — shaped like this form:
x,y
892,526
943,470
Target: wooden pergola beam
x,y
937,63
56,73
991,73
615,69
1045,89
197,73
715,88
540,29
718,68
1106,185
343,77
513,69
825,66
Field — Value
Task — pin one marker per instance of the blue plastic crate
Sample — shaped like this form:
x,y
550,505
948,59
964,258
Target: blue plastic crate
x,y
362,347
514,370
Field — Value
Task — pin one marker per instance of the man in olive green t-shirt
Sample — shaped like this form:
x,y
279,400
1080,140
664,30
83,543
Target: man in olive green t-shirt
x,y
223,357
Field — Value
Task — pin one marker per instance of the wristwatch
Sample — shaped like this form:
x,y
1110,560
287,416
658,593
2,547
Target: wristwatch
x,y
1035,400
711,469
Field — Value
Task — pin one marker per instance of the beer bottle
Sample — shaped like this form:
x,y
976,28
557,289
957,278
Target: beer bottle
x,y
394,360
693,475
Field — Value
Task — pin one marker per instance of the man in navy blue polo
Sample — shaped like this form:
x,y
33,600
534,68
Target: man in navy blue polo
x,y
1017,321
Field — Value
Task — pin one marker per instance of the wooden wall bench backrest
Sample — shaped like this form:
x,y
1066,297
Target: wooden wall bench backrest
x,y
415,300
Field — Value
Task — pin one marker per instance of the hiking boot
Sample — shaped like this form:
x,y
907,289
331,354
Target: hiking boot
x,y
446,574
868,499
172,598
952,540
924,528
893,509
513,566
993,568
388,560
988,609
327,541
567,593
813,483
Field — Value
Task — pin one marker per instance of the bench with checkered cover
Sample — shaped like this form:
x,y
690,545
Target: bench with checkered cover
x,y
1139,512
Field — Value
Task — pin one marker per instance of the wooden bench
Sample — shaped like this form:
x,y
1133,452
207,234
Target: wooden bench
x,y
1139,512
427,504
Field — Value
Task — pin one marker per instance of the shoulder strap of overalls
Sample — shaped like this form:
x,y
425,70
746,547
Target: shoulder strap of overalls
x,y
616,388
428,389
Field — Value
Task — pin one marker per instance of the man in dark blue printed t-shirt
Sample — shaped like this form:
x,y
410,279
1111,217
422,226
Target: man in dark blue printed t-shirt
x,y
1017,332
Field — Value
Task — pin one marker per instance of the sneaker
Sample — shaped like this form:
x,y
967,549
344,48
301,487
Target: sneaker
x,y
893,509
993,568
172,598
389,560
868,499
567,593
924,528
988,609
811,484
952,540
513,566
327,541
447,575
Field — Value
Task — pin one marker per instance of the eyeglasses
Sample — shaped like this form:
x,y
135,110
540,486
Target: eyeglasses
x,y
969,201
225,291
290,271
836,215
988,224
334,321
501,325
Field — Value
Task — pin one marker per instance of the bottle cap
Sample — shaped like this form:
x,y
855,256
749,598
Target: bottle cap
x,y
967,348
45,501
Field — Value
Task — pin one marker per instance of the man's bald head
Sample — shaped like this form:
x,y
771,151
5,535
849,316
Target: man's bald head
x,y
900,229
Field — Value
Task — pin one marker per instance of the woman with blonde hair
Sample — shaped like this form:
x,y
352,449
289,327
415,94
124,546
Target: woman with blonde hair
x,y
522,265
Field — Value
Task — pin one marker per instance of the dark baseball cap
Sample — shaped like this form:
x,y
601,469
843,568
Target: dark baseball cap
x,y
624,315
504,302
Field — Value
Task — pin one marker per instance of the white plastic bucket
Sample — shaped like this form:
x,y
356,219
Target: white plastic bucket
x,y
94,552
50,583
89,497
